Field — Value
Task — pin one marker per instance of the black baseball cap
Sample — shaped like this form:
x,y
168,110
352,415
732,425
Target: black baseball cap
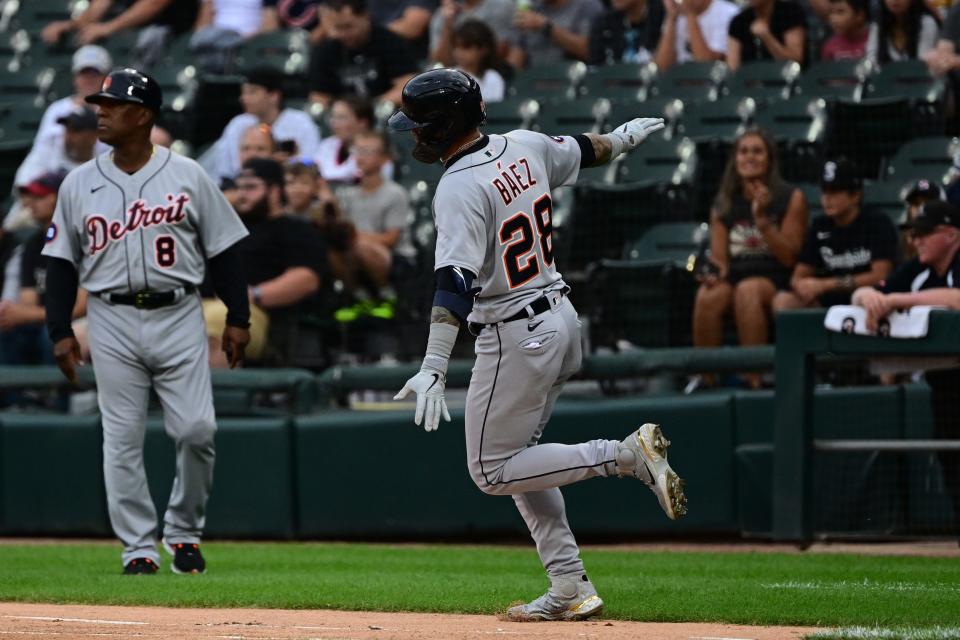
x,y
840,174
927,189
267,77
270,171
80,119
931,215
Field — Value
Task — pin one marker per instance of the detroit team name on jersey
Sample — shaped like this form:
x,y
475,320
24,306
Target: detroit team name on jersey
x,y
511,184
139,215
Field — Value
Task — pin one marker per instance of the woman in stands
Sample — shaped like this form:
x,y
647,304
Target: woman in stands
x,y
349,115
475,53
905,30
757,226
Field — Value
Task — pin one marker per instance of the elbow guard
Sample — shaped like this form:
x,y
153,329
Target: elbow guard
x,y
455,291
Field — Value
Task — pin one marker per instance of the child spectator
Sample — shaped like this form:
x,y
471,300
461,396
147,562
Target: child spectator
x,y
308,194
349,115
496,14
767,30
475,52
849,20
906,30
694,30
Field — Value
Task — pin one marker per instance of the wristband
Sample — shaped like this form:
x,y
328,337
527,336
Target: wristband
x,y
616,142
439,347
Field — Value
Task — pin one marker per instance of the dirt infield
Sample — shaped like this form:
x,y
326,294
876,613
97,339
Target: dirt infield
x,y
81,622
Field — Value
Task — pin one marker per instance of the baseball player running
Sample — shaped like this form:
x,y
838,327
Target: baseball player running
x,y
495,270
133,227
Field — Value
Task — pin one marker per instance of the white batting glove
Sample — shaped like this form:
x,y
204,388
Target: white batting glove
x,y
429,386
632,133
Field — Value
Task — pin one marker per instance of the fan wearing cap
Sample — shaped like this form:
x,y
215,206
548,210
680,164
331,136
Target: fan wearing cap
x,y
847,247
261,96
914,196
24,339
932,278
139,227
283,257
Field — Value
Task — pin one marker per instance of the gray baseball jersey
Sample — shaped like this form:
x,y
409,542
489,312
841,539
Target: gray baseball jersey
x,y
494,216
150,230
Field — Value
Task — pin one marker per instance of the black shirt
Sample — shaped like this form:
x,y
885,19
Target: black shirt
x,y
613,39
835,251
749,253
914,276
180,15
786,16
33,264
278,244
368,71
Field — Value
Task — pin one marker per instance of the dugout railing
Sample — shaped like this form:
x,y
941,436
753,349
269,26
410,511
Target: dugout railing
x,y
803,454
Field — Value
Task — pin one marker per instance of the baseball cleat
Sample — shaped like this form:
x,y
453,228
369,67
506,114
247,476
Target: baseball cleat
x,y
643,455
554,606
140,567
187,558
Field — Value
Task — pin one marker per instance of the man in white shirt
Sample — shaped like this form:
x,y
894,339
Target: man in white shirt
x,y
262,100
694,30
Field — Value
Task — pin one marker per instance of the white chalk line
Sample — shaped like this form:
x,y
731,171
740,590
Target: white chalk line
x,y
866,584
84,620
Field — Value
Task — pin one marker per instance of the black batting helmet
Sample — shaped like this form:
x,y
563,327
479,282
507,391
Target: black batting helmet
x,y
442,104
129,85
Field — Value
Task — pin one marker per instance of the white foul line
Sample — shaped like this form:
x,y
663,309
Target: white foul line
x,y
58,619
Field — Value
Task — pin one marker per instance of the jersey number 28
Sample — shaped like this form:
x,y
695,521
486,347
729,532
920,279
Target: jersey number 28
x,y
520,260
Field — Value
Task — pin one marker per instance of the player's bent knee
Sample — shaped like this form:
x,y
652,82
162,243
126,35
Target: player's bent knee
x,y
488,481
198,434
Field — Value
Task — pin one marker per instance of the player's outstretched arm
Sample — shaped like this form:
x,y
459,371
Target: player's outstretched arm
x,y
626,137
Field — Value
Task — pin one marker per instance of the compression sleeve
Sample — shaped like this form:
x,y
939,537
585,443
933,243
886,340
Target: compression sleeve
x,y
226,274
587,155
454,291
60,298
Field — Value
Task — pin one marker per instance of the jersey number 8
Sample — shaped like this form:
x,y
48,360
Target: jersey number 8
x,y
166,251
519,237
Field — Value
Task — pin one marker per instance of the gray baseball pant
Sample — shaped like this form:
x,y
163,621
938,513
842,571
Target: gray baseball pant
x,y
133,350
517,377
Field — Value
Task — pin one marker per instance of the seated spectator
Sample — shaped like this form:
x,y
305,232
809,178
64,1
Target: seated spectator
x,y
409,19
158,20
849,20
475,53
905,30
757,226
555,30
262,98
496,14
932,278
349,115
379,209
220,28
23,333
945,56
694,30
914,196
767,30
293,14
846,248
283,259
257,142
308,194
358,56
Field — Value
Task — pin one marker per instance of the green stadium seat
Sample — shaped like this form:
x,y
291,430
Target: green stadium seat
x,y
768,80
868,131
286,51
698,81
29,83
669,242
798,127
547,81
572,117
621,81
906,78
929,157
670,109
510,114
122,47
659,160
812,194
885,197
835,79
722,119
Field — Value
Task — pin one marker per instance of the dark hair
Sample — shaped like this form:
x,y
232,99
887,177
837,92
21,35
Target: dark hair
x,y
888,22
379,135
730,184
359,7
858,6
360,106
476,33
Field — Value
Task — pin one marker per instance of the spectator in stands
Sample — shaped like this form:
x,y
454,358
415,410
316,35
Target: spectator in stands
x,y
221,27
496,14
349,115
556,30
848,247
24,337
475,53
257,142
757,226
160,136
932,278
944,57
158,21
379,209
293,14
914,196
358,56
307,193
262,98
283,258
905,30
767,30
409,19
849,20
694,30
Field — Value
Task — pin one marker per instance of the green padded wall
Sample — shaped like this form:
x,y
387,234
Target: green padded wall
x,y
754,461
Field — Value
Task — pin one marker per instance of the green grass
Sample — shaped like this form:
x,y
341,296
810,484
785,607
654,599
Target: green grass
x,y
877,633
748,588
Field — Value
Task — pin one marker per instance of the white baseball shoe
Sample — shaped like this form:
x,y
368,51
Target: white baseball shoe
x,y
568,599
643,455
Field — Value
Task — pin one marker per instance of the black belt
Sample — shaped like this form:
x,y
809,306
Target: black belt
x,y
538,306
146,299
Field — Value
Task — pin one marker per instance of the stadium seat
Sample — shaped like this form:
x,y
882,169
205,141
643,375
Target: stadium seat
x,y
572,117
510,114
767,80
548,81
622,111
698,81
798,127
930,158
869,131
811,192
723,119
27,84
122,46
673,242
285,50
885,197
624,81
835,79
912,80
659,160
